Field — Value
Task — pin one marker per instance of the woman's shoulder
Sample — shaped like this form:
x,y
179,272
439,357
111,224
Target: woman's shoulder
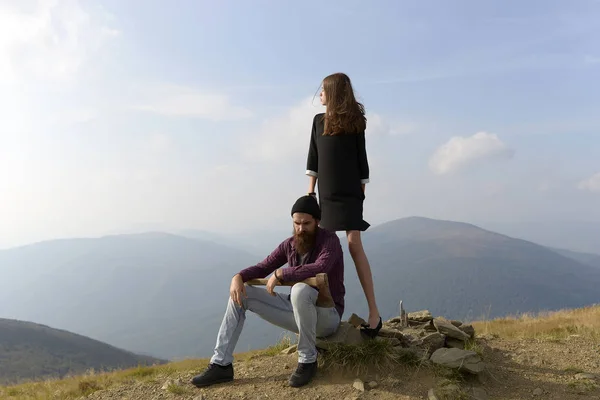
x,y
318,123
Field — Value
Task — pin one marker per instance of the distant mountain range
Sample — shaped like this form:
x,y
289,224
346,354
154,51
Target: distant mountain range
x,y
462,271
154,293
584,258
31,352
258,242
164,294
580,236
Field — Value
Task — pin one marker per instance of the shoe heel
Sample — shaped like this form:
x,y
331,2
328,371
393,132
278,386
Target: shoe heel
x,y
372,332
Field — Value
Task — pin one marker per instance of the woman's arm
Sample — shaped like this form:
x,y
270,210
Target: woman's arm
x,y
312,162
363,163
312,182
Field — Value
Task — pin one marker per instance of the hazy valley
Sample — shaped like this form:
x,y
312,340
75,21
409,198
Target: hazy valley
x,y
31,351
164,295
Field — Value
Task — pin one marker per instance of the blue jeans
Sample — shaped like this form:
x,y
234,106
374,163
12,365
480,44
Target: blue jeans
x,y
297,313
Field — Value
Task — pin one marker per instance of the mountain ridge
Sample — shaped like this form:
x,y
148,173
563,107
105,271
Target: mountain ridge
x,y
413,252
39,351
132,291
221,239
583,257
169,292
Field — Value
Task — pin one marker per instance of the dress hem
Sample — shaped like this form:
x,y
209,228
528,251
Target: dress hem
x,y
364,226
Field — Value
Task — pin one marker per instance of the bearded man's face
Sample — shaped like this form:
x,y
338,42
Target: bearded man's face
x,y
305,232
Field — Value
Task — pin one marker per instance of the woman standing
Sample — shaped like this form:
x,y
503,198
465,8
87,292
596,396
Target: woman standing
x,y
337,158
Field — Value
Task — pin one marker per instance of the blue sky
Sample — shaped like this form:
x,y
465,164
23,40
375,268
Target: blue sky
x,y
122,116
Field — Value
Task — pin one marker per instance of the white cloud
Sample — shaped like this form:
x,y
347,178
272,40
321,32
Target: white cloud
x,y
47,47
50,41
159,143
284,136
288,135
591,184
460,152
68,116
591,60
377,125
178,101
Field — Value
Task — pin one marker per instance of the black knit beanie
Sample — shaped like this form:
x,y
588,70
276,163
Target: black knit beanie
x,y
308,205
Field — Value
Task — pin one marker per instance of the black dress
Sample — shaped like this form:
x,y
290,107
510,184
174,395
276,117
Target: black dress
x,y
340,164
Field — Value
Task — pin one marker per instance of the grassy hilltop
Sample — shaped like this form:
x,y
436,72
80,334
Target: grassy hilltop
x,y
550,355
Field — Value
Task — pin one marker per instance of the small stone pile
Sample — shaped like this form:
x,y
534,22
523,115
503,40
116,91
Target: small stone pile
x,y
439,340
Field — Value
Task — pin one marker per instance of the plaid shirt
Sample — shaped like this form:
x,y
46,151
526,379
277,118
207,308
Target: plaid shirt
x,y
326,256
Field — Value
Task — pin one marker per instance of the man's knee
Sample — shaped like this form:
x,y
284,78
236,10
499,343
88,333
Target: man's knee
x,y
301,292
250,294
250,289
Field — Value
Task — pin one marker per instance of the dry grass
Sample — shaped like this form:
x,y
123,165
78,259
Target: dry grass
x,y
142,372
449,375
70,388
553,326
178,390
472,345
84,385
79,386
370,355
373,354
450,389
582,387
285,342
574,370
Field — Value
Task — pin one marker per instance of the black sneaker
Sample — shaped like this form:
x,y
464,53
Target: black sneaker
x,y
303,374
214,374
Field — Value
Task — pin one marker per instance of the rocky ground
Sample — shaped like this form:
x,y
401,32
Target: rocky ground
x,y
517,370
490,368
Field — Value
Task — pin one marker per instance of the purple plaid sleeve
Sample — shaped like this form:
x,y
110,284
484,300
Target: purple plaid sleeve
x,y
329,256
275,260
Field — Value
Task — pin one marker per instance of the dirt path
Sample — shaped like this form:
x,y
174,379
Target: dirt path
x,y
517,368
520,367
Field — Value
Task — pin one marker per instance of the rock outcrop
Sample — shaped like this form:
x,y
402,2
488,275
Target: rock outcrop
x,y
436,339
462,360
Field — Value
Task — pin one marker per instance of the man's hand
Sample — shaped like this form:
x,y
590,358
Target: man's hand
x,y
237,289
271,283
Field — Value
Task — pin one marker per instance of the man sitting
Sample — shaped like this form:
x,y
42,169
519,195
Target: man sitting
x,y
310,251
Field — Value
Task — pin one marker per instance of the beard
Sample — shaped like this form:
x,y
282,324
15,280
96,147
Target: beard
x,y
304,241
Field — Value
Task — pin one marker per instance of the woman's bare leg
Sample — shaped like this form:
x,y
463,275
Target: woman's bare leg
x,y
363,269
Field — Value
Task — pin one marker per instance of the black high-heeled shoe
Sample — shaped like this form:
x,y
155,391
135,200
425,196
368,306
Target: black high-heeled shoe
x,y
371,332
